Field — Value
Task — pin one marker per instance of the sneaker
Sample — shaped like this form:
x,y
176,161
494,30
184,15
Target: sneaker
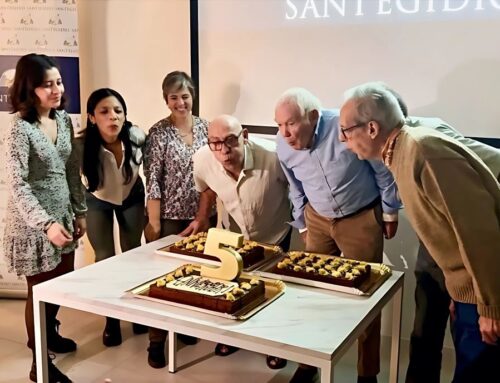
x,y
55,375
57,343
156,354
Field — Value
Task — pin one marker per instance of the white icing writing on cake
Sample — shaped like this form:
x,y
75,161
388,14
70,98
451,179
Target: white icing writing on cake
x,y
202,285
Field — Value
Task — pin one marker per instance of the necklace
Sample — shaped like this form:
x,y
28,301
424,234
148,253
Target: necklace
x,y
182,133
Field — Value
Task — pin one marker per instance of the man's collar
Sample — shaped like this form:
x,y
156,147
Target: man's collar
x,y
248,162
317,131
390,143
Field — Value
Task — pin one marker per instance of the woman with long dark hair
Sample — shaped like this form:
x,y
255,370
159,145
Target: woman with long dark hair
x,y
46,205
112,155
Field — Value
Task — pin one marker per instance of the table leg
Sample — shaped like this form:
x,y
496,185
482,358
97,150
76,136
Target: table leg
x,y
42,371
172,350
327,373
396,335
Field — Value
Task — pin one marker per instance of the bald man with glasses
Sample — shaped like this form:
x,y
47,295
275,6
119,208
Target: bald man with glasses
x,y
247,177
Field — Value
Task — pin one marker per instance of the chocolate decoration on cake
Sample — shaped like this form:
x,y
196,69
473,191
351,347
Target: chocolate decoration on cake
x,y
323,268
194,245
186,286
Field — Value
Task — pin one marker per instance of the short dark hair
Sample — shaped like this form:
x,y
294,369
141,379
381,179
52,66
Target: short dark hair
x,y
30,74
92,167
175,81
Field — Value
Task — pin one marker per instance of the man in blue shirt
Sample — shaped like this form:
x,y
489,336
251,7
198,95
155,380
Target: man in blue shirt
x,y
340,203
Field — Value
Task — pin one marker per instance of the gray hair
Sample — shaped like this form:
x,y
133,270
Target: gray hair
x,y
301,97
375,101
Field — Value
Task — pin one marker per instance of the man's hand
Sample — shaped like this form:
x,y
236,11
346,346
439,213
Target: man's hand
x,y
196,225
303,235
152,231
390,229
80,226
452,310
58,235
490,330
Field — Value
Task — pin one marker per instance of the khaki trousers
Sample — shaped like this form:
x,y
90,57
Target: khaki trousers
x,y
359,237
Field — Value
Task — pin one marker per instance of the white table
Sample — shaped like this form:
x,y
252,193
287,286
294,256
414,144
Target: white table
x,y
306,325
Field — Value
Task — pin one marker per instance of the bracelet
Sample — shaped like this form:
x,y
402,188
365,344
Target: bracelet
x,y
47,226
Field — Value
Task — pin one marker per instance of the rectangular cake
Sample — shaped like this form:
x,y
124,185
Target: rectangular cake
x,y
185,285
194,245
323,268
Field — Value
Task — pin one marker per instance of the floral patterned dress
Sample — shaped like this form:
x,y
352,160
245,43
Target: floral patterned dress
x,y
44,186
168,167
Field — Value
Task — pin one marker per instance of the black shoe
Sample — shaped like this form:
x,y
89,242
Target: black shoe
x,y
275,363
57,343
55,375
304,375
367,379
156,354
112,335
139,328
225,350
186,339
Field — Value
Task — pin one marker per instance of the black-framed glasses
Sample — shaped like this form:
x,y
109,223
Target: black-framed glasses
x,y
230,141
359,125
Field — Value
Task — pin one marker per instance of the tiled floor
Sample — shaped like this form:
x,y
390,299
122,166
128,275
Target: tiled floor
x,y
93,362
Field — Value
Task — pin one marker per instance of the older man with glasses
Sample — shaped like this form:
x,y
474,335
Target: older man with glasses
x,y
453,202
246,176
340,203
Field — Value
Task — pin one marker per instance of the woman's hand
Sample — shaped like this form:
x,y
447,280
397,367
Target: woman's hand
x,y
58,235
152,231
80,226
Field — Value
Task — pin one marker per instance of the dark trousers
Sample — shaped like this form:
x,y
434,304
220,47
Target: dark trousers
x,y
476,361
130,217
66,266
431,318
285,242
169,227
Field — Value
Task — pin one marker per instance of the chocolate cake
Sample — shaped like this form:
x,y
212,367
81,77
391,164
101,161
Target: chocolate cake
x,y
186,286
194,245
323,268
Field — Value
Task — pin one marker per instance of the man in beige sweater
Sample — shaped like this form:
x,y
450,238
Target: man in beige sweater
x,y
453,202
432,300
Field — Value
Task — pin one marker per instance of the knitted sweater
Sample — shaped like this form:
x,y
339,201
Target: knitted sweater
x,y
453,202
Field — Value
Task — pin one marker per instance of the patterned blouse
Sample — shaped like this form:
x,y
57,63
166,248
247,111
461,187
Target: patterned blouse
x,y
44,186
168,166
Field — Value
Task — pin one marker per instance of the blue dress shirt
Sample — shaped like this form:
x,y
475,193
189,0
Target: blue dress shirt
x,y
331,177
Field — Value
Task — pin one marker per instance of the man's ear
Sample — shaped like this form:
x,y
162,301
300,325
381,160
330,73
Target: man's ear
x,y
313,117
373,129
244,133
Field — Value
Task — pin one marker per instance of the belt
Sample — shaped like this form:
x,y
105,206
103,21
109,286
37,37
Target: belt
x,y
371,205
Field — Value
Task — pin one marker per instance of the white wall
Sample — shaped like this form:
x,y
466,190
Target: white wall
x,y
130,45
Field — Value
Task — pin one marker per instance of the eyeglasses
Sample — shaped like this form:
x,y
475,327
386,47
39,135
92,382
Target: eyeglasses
x,y
230,141
359,125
